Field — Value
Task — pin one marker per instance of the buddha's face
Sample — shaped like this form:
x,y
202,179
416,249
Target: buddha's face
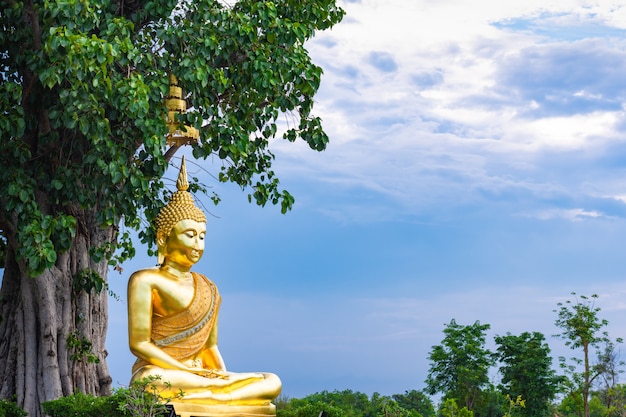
x,y
185,244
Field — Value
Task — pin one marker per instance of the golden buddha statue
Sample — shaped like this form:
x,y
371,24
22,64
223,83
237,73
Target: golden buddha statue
x,y
172,324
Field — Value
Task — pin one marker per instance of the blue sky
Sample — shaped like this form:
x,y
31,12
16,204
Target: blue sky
x,y
476,171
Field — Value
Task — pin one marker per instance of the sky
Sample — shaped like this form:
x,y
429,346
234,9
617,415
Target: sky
x,y
476,171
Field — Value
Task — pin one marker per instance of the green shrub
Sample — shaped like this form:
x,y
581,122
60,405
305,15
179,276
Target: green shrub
x,y
9,409
141,399
83,405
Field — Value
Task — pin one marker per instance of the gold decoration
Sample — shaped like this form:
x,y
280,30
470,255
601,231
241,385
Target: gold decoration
x,y
178,134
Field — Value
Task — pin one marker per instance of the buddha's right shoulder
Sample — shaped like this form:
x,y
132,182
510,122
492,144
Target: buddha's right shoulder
x,y
145,276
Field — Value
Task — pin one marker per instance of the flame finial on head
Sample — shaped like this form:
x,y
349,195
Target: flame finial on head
x,y
182,183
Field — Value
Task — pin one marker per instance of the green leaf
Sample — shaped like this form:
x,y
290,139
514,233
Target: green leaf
x,y
23,196
56,184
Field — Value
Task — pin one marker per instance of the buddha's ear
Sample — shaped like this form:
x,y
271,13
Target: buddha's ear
x,y
160,241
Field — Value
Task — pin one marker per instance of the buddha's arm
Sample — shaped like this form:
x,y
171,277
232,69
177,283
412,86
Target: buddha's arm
x,y
211,356
140,287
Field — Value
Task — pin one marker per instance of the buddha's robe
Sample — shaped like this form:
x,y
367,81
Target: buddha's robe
x,y
184,334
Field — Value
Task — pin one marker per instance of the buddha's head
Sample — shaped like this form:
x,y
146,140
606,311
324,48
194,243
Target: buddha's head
x,y
179,218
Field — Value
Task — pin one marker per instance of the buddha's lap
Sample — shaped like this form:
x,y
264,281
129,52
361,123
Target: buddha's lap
x,y
175,378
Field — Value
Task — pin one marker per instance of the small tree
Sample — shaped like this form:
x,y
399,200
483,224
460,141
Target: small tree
x,y
143,398
459,366
581,329
527,372
609,366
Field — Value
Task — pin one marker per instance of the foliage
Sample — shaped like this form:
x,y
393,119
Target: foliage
x,y
415,402
348,403
82,87
449,408
571,406
580,322
611,400
527,372
492,402
282,402
596,408
459,366
514,405
353,404
582,329
88,280
143,398
390,408
10,409
80,348
83,405
609,366
314,410
300,408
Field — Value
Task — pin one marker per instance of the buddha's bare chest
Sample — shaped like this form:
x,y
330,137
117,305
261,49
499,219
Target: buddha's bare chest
x,y
170,298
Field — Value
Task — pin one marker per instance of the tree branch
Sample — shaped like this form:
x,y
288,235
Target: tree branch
x,y
170,152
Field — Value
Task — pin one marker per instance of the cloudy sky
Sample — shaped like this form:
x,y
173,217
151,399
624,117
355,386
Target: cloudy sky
x,y
476,171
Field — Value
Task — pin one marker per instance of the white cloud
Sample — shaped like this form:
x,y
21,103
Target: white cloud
x,y
455,105
571,214
587,132
621,198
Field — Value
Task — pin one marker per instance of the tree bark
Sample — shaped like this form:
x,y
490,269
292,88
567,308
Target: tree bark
x,y
52,335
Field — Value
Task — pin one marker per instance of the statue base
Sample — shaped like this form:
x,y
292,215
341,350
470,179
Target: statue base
x,y
201,410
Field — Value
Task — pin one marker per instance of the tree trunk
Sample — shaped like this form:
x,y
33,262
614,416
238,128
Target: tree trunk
x,y
52,335
587,382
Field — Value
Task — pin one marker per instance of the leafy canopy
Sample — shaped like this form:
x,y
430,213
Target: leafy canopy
x,y
580,323
582,329
82,116
527,373
460,364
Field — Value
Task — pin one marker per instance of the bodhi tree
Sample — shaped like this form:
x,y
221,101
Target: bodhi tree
x,y
82,128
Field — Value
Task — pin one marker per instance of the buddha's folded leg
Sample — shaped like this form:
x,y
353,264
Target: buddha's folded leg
x,y
173,378
236,388
244,389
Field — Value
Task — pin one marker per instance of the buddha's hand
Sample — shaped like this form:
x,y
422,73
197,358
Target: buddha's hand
x,y
209,373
